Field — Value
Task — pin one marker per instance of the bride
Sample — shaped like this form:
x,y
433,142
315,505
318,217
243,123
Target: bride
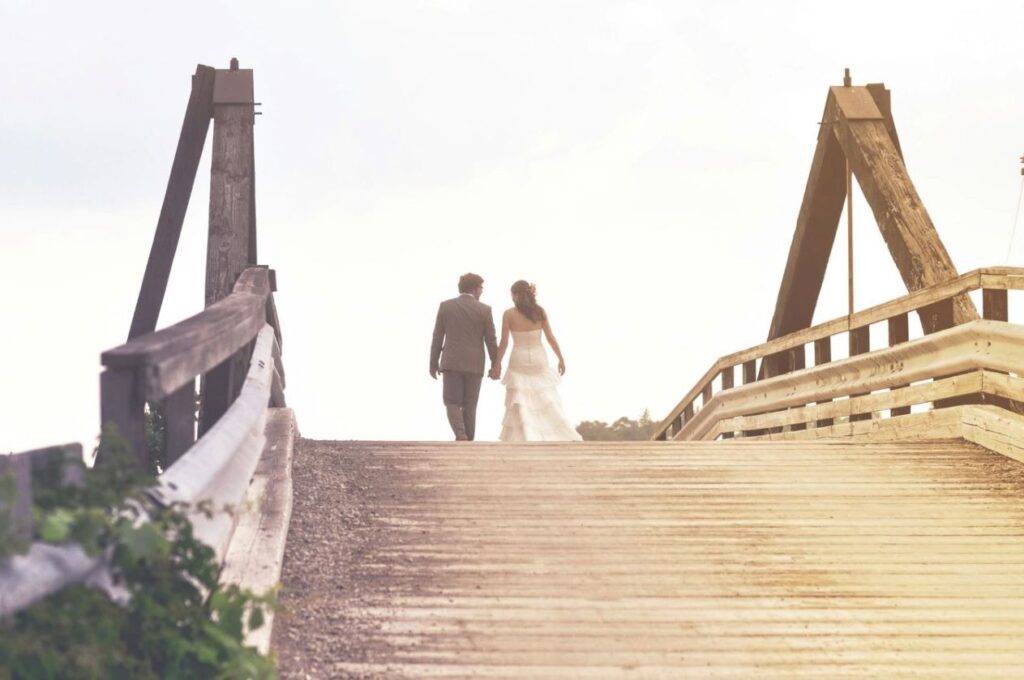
x,y
533,410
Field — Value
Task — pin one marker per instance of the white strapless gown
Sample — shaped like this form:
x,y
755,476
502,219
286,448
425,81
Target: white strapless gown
x,y
533,410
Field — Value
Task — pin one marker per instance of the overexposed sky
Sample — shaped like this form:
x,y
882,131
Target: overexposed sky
x,y
642,162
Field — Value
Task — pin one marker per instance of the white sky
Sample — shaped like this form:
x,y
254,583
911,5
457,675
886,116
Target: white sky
x,y
642,162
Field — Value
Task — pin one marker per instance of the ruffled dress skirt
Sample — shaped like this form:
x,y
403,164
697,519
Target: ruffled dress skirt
x,y
533,409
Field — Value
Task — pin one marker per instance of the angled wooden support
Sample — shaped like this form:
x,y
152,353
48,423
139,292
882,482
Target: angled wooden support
x,y
908,230
176,197
857,126
816,227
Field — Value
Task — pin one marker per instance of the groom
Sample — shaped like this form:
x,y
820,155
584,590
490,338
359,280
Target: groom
x,y
464,325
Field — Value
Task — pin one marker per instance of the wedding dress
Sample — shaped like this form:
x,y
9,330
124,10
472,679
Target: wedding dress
x,y
533,410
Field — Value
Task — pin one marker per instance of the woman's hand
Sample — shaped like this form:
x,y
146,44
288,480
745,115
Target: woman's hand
x,y
561,367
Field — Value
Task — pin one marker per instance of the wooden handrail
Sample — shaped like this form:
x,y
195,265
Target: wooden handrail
x,y
988,279
170,357
161,367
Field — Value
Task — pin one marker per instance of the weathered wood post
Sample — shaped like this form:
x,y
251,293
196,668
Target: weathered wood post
x,y
231,245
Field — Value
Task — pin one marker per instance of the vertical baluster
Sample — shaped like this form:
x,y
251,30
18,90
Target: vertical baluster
x,y
860,343
121,404
823,355
899,331
749,371
728,377
995,304
180,422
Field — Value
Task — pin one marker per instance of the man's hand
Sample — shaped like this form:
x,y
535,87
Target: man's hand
x,y
495,372
433,373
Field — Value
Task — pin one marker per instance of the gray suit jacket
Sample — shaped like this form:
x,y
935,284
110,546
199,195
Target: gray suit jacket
x,y
464,325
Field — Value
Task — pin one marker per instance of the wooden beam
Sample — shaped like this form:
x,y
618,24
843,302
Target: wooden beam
x,y
230,246
883,100
176,197
122,405
822,356
908,230
816,226
860,343
899,331
995,304
179,410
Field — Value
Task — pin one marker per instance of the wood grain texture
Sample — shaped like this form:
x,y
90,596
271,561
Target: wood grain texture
x,y
191,141
976,345
994,278
907,228
816,226
683,560
170,357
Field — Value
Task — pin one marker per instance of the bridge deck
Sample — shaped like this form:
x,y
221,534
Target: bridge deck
x,y
598,560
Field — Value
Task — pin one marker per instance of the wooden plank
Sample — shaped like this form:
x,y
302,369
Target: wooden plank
x,y
772,559
899,331
122,405
728,377
231,224
822,356
705,394
176,198
220,465
908,231
883,100
969,383
989,277
816,226
173,356
255,554
995,304
749,371
230,200
908,303
860,343
979,344
179,410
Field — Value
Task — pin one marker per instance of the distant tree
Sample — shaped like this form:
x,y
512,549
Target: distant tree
x,y
623,429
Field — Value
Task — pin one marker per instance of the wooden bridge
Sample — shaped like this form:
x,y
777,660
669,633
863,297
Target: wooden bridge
x,y
858,515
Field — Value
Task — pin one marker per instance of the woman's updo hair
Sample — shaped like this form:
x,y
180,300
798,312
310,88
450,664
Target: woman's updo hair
x,y
524,294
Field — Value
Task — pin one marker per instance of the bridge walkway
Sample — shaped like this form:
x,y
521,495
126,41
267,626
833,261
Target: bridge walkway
x,y
668,559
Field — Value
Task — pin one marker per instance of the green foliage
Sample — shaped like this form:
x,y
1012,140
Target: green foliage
x,y
179,623
156,438
623,429
10,544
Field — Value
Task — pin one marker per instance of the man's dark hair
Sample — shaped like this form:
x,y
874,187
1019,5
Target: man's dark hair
x,y
470,282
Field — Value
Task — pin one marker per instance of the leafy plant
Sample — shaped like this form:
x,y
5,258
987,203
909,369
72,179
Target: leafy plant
x,y
180,621
623,429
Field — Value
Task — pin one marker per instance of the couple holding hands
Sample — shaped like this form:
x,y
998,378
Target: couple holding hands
x,y
533,410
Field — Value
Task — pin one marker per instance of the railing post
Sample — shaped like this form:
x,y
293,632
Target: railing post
x,y
180,421
749,371
231,244
823,355
899,331
995,305
728,379
937,316
121,403
860,343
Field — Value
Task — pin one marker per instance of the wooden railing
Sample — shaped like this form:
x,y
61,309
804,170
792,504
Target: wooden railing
x,y
974,363
233,346
160,368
